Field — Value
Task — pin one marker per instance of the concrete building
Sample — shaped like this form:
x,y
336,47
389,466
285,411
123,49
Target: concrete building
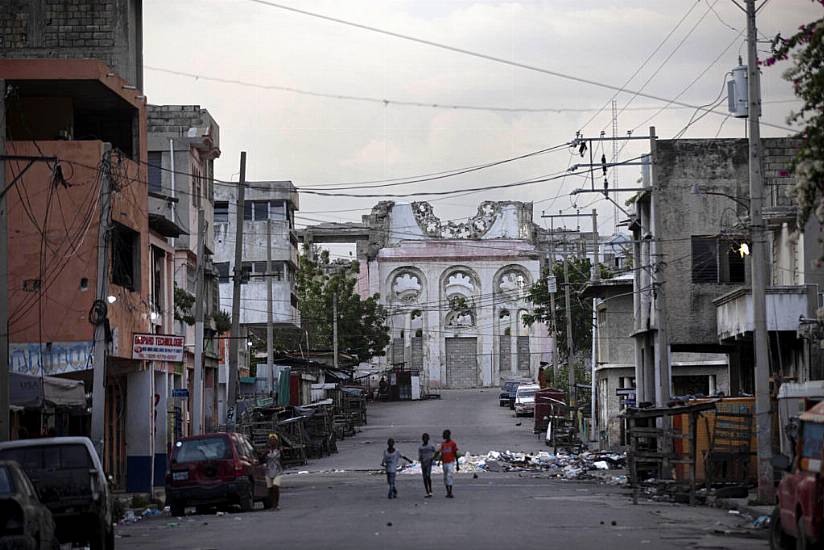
x,y
693,374
95,126
108,30
688,231
456,291
269,217
183,144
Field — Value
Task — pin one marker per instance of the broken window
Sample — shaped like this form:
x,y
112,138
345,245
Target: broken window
x,y
704,260
717,260
158,259
732,264
222,271
125,257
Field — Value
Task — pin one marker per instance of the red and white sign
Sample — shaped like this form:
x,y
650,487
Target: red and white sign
x,y
158,347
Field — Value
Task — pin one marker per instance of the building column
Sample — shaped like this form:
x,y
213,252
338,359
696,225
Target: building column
x,y
513,342
138,431
161,425
407,340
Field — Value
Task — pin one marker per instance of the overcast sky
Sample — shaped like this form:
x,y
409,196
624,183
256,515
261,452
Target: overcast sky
x,y
313,140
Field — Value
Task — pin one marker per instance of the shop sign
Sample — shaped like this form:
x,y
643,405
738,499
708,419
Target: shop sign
x,y
158,347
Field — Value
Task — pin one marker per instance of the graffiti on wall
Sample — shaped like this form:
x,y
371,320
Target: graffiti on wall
x,y
56,357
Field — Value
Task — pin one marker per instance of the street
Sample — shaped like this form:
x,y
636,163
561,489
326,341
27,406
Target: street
x,y
348,508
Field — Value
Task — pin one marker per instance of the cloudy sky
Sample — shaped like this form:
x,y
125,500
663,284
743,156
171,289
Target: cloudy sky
x,y
316,141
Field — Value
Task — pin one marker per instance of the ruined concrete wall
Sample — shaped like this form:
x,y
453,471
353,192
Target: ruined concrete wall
x,y
721,166
615,343
715,165
108,30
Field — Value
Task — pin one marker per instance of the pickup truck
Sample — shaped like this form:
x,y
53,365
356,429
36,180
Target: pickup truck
x,y
69,478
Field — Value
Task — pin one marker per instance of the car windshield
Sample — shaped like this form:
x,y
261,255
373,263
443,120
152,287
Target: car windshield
x,y
526,393
6,487
195,450
50,457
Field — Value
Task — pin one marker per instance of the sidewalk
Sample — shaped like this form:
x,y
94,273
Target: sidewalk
x,y
744,506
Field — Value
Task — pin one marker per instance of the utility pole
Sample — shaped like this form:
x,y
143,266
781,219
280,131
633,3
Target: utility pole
x,y
663,369
270,329
197,400
759,258
570,346
595,277
5,333
99,372
335,328
552,287
237,279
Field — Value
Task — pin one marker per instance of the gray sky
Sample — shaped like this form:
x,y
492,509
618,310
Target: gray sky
x,y
313,140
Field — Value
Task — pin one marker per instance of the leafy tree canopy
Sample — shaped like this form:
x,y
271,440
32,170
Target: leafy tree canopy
x,y
362,323
805,48
579,274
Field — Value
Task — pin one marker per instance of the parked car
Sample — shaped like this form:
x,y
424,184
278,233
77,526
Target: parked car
x,y
215,469
69,479
25,523
507,396
798,520
525,399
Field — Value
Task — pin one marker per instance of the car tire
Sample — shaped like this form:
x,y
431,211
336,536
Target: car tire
x,y
177,508
15,542
202,510
102,537
247,499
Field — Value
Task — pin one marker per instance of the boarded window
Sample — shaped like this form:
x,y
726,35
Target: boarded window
x,y
221,212
155,171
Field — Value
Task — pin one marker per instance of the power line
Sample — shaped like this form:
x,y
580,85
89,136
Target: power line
x,y
492,58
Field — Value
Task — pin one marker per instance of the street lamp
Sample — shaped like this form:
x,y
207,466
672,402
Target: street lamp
x,y
696,190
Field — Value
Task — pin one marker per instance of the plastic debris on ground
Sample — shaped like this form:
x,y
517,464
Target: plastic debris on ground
x,y
585,465
761,522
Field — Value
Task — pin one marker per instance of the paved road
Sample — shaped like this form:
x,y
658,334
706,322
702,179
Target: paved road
x,y
349,509
478,425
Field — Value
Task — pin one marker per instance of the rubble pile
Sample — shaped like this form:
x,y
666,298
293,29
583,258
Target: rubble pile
x,y
585,465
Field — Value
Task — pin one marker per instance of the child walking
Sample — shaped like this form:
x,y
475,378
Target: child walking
x,y
391,459
449,458
426,454
274,471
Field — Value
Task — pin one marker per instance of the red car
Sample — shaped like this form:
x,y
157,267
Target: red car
x,y
212,470
797,521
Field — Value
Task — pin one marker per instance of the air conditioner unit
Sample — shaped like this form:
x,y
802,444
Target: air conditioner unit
x,y
737,94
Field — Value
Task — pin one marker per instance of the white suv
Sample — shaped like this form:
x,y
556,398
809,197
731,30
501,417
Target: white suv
x,y
525,399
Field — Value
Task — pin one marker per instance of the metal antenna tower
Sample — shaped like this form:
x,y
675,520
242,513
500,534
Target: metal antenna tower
x,y
614,159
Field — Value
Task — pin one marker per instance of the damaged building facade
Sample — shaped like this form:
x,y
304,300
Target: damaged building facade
x,y
456,290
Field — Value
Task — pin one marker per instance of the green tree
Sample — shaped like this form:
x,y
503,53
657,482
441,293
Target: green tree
x,y
579,274
805,48
362,326
184,301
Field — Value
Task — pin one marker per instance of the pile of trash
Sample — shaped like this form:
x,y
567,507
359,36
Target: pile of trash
x,y
585,465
